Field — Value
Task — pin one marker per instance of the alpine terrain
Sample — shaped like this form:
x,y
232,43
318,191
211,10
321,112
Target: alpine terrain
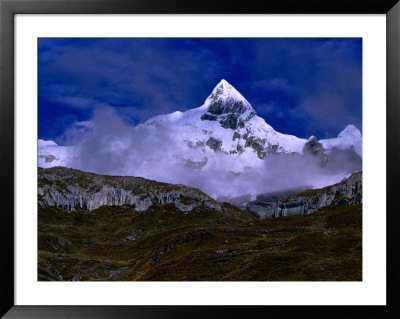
x,y
222,147
212,193
95,227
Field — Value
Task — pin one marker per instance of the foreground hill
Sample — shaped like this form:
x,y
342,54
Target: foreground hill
x,y
71,190
89,229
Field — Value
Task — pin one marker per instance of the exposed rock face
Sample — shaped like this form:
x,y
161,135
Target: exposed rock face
x,y
235,136
315,148
71,189
196,164
268,202
219,106
214,144
50,158
257,145
230,111
348,192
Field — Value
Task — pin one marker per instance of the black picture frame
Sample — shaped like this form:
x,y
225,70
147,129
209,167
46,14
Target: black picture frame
x,y
8,8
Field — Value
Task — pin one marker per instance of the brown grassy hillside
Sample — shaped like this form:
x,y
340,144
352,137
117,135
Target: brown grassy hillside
x,y
164,243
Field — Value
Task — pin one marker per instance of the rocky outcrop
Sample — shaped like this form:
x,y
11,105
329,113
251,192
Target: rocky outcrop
x,y
71,189
348,192
196,164
315,148
228,114
214,144
235,136
257,145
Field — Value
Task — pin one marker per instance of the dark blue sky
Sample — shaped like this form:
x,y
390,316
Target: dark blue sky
x,y
299,86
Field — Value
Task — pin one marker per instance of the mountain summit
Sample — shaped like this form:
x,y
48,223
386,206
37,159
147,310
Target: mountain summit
x,y
348,139
350,131
225,92
226,123
227,106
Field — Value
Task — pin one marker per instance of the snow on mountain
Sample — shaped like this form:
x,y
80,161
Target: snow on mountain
x,y
226,122
50,154
222,147
349,138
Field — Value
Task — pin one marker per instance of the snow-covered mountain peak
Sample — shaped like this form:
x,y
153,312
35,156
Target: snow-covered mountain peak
x,y
226,123
227,106
350,131
225,91
349,138
222,142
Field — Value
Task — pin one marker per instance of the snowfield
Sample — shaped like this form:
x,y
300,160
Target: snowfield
x,y
349,138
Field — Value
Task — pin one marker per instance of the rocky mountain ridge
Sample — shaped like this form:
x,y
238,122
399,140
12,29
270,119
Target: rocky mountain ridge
x,y
72,189
347,192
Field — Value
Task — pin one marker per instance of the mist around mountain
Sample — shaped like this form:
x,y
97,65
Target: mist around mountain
x,y
222,147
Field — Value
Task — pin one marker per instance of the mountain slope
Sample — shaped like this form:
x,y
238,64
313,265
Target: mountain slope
x,y
222,147
185,237
347,192
226,122
71,190
349,138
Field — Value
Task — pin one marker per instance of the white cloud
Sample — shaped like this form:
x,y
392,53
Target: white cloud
x,y
109,145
